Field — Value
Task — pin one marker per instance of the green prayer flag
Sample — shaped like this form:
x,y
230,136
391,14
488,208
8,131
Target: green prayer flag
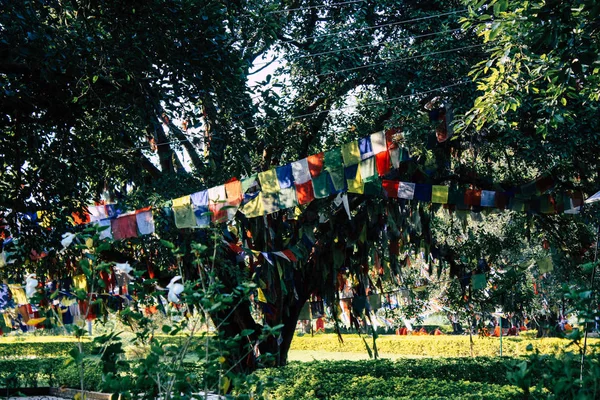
x,y
333,159
338,178
478,281
546,206
320,186
184,217
351,153
439,194
545,264
372,186
304,313
247,182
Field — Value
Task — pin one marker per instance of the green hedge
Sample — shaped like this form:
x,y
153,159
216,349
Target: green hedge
x,y
437,346
312,383
28,349
50,371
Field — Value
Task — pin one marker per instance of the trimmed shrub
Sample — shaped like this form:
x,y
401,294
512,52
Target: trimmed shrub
x,y
438,346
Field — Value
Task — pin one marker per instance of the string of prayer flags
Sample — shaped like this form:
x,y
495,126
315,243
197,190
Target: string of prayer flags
x,y
270,202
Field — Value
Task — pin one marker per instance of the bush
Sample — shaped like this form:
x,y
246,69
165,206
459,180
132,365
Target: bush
x,y
438,346
39,347
317,380
48,372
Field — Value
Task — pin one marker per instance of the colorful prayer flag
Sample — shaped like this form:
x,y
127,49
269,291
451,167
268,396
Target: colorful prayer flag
x,y
270,202
233,189
254,208
545,265
365,148
378,142
304,192
268,181
353,179
350,153
478,281
287,198
300,171
124,227
391,188
439,194
473,197
315,163
406,190
145,222
384,163
333,159
321,185
368,168
488,198
423,192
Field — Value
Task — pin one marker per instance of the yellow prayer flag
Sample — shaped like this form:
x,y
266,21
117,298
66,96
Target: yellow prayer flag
x,y
254,208
261,296
80,282
181,201
356,185
35,321
351,153
439,194
268,181
18,294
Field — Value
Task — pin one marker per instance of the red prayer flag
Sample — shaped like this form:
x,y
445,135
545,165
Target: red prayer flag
x,y
472,197
81,218
390,187
315,164
124,227
305,192
289,254
384,162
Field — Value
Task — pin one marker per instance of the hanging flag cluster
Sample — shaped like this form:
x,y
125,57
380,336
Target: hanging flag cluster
x,y
357,167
